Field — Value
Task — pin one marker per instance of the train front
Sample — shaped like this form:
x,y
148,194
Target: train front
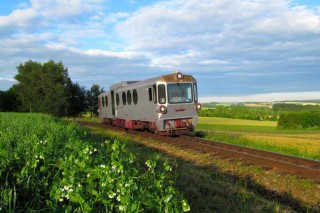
x,y
177,104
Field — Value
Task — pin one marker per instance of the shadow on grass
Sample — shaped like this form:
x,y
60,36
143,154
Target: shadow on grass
x,y
209,190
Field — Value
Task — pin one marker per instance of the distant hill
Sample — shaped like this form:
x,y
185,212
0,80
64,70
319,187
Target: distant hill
x,y
264,104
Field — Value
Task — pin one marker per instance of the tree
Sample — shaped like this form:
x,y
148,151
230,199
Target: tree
x,y
8,101
92,96
47,88
77,99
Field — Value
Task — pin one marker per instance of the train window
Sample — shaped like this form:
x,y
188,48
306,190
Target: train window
x,y
154,94
129,97
102,101
195,93
135,96
124,98
162,93
117,99
180,93
150,94
106,101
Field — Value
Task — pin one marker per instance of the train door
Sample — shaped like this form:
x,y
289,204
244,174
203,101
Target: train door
x,y
113,105
154,94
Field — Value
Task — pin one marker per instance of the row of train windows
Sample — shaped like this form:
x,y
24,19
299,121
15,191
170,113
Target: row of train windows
x,y
177,93
126,98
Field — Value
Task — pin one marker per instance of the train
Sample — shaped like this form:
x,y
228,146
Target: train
x,y
165,105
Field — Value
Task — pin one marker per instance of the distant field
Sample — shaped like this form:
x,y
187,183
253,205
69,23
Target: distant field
x,y
303,103
229,121
262,135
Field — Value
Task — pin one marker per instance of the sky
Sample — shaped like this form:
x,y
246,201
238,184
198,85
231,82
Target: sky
x,y
238,50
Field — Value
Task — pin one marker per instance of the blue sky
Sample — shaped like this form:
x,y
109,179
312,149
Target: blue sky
x,y
238,50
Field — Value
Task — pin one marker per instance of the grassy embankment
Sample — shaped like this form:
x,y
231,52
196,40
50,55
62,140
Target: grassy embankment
x,y
259,134
212,184
262,135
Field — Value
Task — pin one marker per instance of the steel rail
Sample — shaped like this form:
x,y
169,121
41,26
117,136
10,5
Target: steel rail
x,y
288,166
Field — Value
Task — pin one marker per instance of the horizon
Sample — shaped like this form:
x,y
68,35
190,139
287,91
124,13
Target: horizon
x,y
239,50
271,97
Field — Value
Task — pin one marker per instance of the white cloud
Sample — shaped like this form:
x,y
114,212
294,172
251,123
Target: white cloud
x,y
233,47
55,9
213,24
289,23
223,35
7,79
115,17
18,19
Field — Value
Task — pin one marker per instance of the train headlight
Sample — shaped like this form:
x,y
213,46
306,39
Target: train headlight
x,y
198,106
179,75
163,109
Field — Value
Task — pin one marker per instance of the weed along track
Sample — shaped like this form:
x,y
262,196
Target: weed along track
x,y
281,163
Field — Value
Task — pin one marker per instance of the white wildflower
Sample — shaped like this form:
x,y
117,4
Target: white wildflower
x,y
86,150
122,208
112,195
168,198
148,164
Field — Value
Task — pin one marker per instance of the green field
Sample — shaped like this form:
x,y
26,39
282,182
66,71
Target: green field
x,y
48,165
262,135
229,121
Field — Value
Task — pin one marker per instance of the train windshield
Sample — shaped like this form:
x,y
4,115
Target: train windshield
x,y
180,93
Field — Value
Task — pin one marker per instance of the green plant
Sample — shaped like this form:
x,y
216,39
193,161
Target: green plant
x,y
50,165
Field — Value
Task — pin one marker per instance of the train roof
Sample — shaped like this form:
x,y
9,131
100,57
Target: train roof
x,y
164,78
121,84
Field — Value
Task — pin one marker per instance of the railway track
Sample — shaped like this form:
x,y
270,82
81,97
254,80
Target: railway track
x,y
301,167
285,163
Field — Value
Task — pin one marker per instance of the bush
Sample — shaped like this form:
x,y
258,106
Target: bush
x,y
299,120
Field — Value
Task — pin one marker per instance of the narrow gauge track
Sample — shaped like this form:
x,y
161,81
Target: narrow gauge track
x,y
301,167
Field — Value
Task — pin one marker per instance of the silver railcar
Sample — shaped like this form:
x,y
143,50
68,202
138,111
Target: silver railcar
x,y
164,105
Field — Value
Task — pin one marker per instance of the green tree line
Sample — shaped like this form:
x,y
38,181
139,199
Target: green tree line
x,y
299,120
47,88
289,116
283,107
239,112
